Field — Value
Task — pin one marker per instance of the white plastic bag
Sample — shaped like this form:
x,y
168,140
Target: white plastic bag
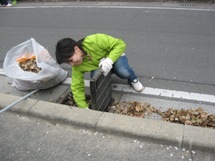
x,y
50,75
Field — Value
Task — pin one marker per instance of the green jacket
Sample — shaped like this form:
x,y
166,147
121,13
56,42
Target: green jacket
x,y
97,46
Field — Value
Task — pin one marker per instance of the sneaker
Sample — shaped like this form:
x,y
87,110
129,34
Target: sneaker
x,y
9,5
137,86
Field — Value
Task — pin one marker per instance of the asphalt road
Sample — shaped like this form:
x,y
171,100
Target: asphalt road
x,y
167,45
26,138
168,48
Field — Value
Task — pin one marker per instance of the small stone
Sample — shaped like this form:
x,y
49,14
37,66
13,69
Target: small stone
x,y
95,133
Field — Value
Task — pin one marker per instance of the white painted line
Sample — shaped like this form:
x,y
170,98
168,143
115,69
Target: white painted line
x,y
179,94
87,83
153,91
2,72
158,92
116,7
67,81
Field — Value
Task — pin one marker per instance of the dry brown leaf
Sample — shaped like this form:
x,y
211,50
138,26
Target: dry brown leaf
x,y
29,65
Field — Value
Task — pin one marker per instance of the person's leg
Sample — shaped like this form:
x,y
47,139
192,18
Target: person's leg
x,y
4,2
122,69
9,3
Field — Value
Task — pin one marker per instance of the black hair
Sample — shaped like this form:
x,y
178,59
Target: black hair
x,y
64,49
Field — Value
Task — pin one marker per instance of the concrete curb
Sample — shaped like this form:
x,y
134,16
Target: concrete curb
x,y
188,137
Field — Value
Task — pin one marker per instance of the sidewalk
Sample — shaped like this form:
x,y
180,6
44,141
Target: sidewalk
x,y
43,105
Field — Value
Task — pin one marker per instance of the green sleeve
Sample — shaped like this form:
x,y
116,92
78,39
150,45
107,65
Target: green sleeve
x,y
78,89
114,46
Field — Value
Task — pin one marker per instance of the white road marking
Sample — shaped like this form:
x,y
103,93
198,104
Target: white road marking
x,y
116,7
2,72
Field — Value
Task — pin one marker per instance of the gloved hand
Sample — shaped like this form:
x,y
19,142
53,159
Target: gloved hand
x,y
106,64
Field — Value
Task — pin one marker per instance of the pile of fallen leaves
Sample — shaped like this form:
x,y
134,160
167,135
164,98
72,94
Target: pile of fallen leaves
x,y
69,100
133,109
195,117
29,64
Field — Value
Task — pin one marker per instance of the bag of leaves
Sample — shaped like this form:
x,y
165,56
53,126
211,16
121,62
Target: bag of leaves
x,y
32,67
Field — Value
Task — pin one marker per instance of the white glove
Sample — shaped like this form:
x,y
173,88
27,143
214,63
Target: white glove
x,y
106,65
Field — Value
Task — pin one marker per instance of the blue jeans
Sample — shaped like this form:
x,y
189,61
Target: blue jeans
x,y
4,2
122,69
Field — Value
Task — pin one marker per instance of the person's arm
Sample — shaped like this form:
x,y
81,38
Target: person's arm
x,y
78,89
114,46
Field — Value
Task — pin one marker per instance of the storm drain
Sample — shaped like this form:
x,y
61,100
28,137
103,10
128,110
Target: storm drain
x,y
100,90
187,5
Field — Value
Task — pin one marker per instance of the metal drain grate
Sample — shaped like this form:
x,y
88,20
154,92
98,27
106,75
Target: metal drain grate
x,y
101,93
187,5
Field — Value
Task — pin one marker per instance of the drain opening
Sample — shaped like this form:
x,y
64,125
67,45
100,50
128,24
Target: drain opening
x,y
187,5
